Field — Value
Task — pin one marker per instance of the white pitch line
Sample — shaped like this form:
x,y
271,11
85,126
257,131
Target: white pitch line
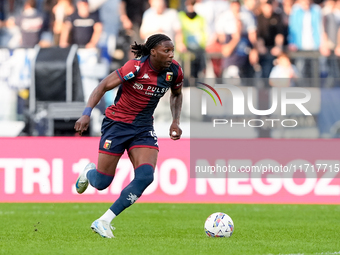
x,y
322,253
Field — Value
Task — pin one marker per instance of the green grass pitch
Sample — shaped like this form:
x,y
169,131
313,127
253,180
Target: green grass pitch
x,y
169,229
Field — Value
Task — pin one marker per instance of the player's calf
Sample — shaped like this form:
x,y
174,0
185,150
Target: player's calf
x,y
130,194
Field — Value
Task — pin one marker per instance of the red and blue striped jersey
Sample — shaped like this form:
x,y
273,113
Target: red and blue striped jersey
x,y
141,88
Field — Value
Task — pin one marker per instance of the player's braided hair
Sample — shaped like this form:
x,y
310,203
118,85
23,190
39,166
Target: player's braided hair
x,y
144,49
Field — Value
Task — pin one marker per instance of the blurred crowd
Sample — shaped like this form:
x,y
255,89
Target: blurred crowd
x,y
236,38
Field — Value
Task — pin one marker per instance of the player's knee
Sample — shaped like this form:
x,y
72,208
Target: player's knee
x,y
99,181
102,185
145,174
148,179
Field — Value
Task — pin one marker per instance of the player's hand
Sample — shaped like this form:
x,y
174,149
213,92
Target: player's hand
x,y
82,124
175,131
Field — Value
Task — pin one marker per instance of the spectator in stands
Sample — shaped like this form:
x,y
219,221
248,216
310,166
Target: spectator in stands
x,y
330,26
210,10
131,15
305,26
46,6
81,27
30,23
109,17
2,12
330,22
251,6
286,9
237,32
195,37
61,10
284,73
337,15
160,19
305,32
270,37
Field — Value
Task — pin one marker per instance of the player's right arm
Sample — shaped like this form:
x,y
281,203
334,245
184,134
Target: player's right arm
x,y
108,83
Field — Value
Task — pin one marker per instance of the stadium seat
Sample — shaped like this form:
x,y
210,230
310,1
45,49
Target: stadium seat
x,y
56,92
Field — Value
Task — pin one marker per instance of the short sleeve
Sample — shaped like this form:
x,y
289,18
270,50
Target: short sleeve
x,y
129,70
179,80
96,17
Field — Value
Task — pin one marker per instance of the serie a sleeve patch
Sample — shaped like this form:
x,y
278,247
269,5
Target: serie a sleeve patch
x,y
129,76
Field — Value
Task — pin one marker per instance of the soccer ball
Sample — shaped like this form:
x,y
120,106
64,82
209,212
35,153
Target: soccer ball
x,y
219,225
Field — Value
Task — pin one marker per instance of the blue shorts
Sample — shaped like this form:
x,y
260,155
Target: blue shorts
x,y
119,136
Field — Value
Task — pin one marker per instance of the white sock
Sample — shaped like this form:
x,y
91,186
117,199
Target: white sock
x,y
108,216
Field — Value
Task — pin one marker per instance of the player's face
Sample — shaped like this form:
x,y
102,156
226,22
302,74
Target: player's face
x,y
164,53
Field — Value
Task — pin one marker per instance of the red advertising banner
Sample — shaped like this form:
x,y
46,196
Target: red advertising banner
x,y
44,169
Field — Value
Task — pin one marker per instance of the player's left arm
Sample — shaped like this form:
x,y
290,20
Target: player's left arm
x,y
176,98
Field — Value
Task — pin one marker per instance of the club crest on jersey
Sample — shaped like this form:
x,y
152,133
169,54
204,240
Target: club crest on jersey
x,y
107,144
129,76
168,76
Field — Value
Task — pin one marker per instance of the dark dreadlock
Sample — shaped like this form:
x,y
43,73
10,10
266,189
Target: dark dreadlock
x,y
144,49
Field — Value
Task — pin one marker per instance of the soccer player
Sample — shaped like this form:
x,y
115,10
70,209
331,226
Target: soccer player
x,y
128,123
